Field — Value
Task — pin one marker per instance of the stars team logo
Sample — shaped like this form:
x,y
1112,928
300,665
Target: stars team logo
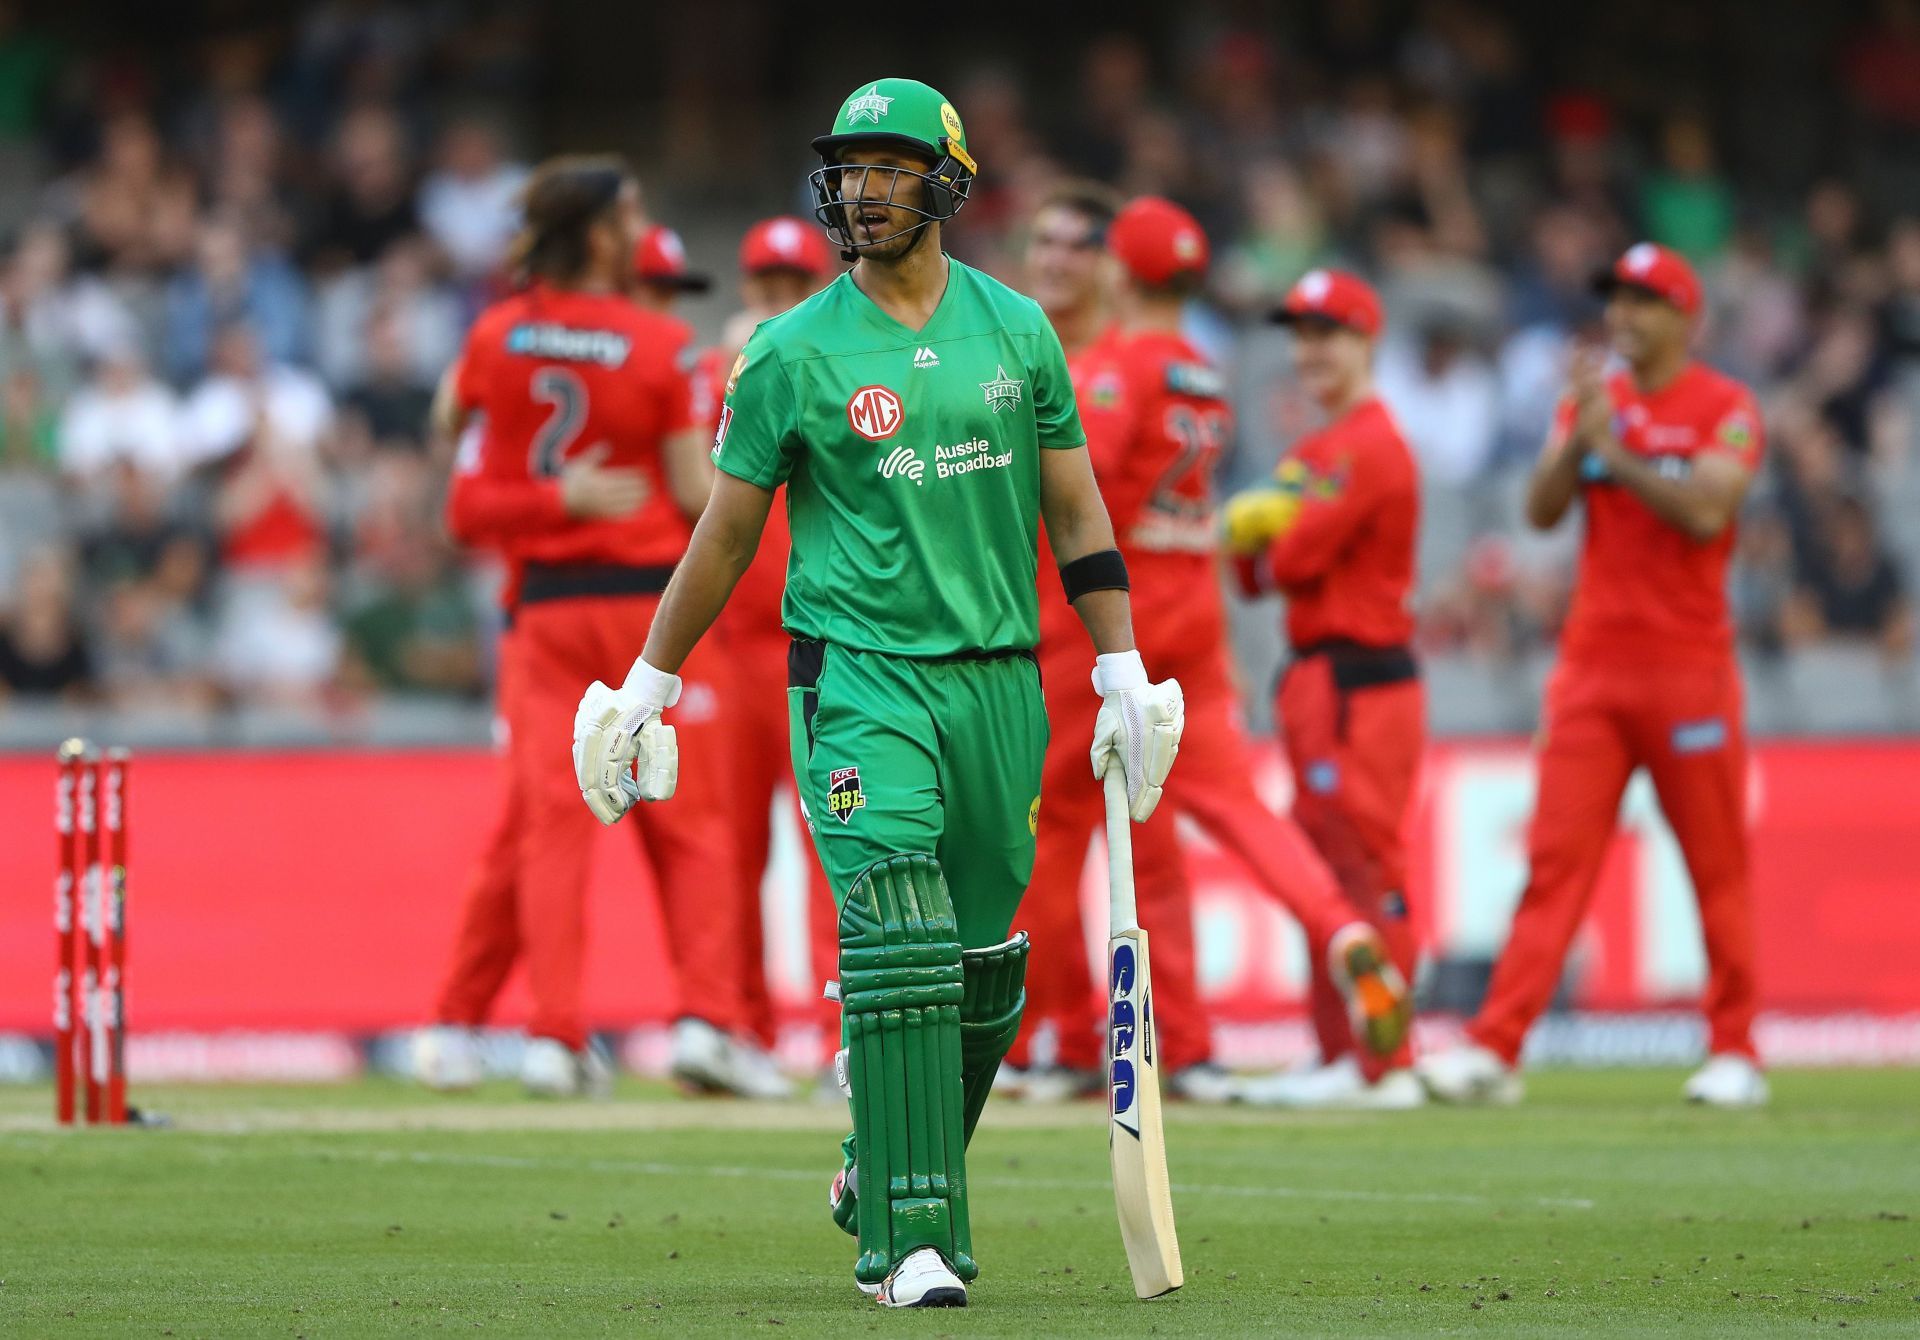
x,y
844,795
1003,392
869,106
874,412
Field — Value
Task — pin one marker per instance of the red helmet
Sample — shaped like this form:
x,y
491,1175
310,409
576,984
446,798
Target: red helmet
x,y
785,243
1333,296
660,258
1157,241
1654,269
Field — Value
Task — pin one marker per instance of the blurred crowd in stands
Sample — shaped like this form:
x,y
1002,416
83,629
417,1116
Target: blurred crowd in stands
x,y
230,278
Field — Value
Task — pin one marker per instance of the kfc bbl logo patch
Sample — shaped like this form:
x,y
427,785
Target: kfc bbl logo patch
x,y
844,795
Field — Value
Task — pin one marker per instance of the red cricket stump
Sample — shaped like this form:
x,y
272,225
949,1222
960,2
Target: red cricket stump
x,y
114,772
65,794
93,924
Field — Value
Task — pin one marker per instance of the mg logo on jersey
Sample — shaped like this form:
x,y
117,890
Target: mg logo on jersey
x,y
902,461
874,413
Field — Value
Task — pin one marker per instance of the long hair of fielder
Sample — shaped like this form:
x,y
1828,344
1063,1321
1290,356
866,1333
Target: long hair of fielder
x,y
559,205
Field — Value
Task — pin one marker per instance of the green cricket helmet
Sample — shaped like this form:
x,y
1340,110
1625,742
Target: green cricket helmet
x,y
907,114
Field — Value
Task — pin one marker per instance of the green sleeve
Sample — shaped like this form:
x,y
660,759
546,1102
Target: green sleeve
x,y
759,436
1056,414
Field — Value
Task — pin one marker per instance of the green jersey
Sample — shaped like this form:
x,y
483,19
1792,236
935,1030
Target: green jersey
x,y
911,459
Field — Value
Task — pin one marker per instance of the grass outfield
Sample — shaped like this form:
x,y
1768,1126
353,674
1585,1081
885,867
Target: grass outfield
x,y
1602,1207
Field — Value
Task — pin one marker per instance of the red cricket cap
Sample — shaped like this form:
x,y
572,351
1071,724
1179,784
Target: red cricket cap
x,y
785,243
661,258
1157,240
1333,296
1654,269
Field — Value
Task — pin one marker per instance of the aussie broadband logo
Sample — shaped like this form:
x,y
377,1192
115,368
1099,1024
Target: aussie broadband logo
x,y
974,454
1123,1030
874,412
902,461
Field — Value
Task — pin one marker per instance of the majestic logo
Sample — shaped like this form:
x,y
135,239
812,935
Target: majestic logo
x,y
844,795
902,461
868,106
923,357
874,413
1003,392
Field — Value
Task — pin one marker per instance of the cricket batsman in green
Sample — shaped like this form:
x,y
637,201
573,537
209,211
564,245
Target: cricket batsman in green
x,y
921,417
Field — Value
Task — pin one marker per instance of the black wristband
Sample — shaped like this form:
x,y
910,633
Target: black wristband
x,y
1103,570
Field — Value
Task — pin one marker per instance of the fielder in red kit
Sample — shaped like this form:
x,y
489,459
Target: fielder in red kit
x,y
487,943
1069,272
782,260
1662,454
570,369
1158,423
1335,534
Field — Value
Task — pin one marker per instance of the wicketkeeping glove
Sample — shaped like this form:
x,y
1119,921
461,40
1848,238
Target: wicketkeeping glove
x,y
1139,725
1252,519
622,751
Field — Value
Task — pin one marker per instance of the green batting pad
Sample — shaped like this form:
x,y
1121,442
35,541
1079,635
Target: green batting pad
x,y
993,997
901,984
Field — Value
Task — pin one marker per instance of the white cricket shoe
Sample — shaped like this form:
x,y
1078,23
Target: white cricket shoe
x,y
446,1057
1337,1086
1060,1084
924,1279
549,1069
706,1059
1469,1073
1204,1082
1727,1080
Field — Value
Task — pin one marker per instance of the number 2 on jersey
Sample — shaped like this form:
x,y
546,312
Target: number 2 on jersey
x,y
567,395
1201,434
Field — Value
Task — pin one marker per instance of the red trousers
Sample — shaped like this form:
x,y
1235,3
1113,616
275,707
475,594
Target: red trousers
x,y
536,896
1211,784
1060,987
487,944
1355,755
756,719
1683,725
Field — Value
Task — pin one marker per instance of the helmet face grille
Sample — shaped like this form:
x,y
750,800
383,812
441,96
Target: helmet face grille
x,y
938,197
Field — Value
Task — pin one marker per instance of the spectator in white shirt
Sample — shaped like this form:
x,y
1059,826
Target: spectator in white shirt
x,y
122,413
470,205
1445,396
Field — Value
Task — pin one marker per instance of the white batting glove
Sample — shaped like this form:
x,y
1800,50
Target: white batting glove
x,y
622,750
1139,726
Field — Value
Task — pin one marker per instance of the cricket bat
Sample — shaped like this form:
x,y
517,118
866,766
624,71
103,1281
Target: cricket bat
x,y
1136,1140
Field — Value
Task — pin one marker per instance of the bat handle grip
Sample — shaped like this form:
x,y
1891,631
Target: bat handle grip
x,y
1122,914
